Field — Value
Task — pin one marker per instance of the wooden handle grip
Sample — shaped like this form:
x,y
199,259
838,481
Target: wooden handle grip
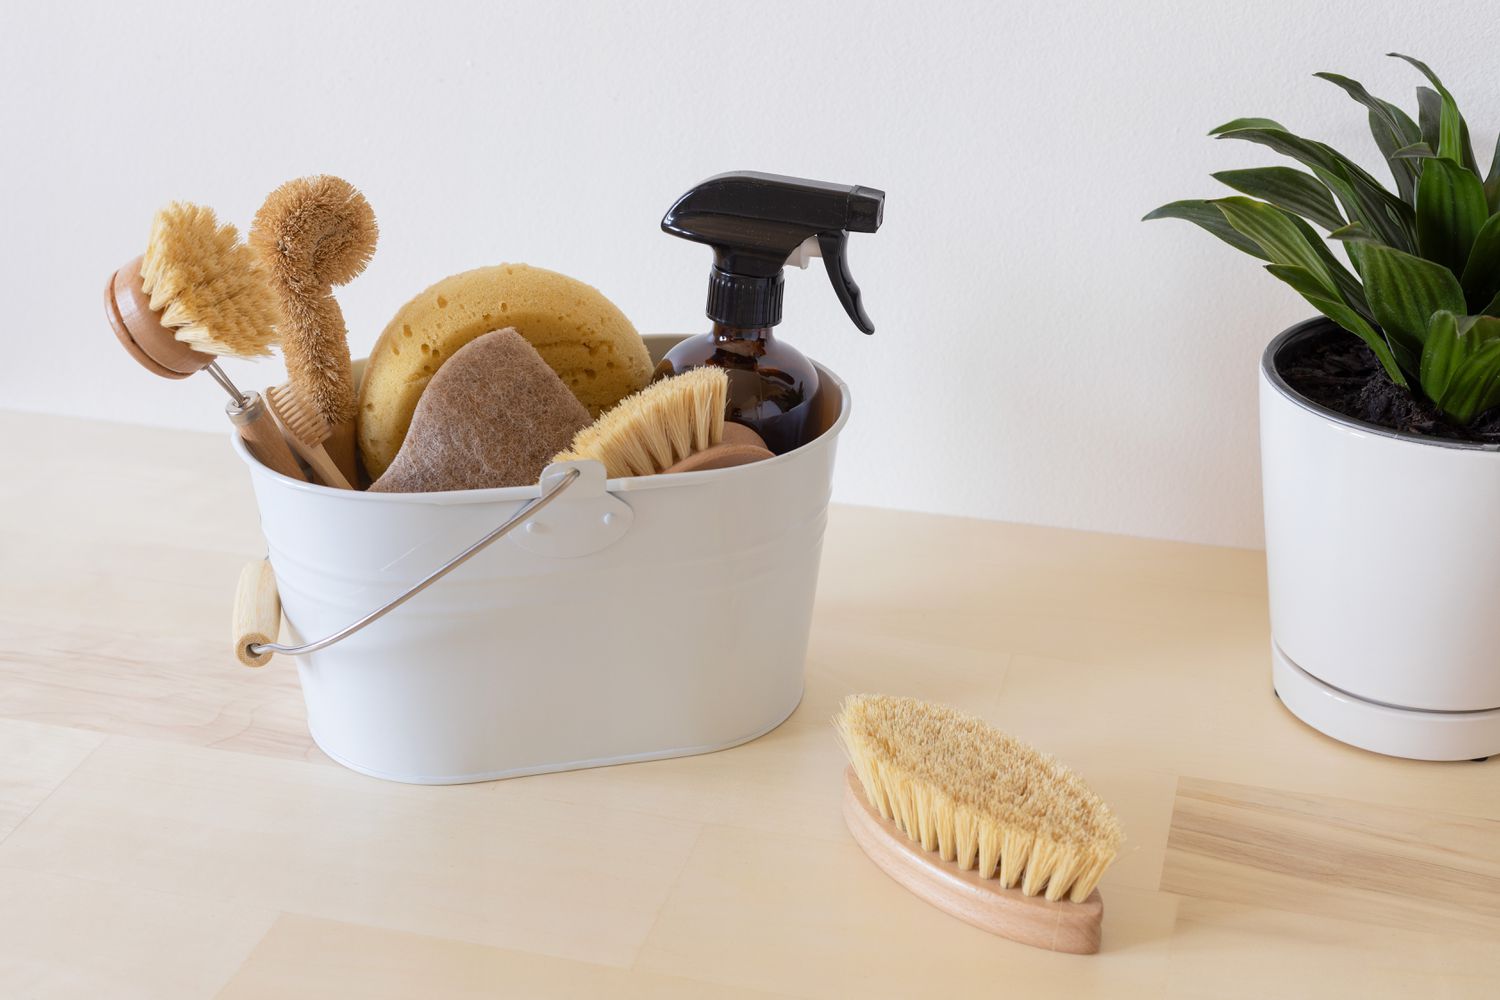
x,y
257,612
323,468
263,437
342,449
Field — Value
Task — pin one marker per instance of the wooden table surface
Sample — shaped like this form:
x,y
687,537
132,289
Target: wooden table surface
x,y
168,829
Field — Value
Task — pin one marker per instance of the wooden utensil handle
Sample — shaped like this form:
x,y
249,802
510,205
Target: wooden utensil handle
x,y
342,449
257,612
258,430
324,469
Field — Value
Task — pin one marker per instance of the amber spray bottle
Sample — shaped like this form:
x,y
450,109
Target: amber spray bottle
x,y
757,224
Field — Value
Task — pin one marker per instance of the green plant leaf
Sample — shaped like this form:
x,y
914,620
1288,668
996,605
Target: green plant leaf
x,y
1452,138
1243,123
1285,238
1493,309
1203,214
1311,289
1451,208
1481,275
1492,180
1288,240
1460,369
1391,128
1416,151
1292,190
1354,232
1429,112
1362,196
1403,292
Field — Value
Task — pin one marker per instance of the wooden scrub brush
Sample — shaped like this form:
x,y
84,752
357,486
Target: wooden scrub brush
x,y
197,293
306,431
311,234
975,822
674,425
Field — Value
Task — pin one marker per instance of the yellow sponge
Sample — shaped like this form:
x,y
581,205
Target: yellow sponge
x,y
581,335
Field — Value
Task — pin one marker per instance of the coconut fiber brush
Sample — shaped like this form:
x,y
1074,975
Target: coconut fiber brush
x,y
195,294
312,234
975,822
674,425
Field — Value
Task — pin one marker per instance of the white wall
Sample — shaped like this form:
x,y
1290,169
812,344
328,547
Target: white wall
x,y
1041,355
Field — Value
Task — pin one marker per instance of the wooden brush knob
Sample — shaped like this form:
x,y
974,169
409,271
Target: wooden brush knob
x,y
739,446
140,331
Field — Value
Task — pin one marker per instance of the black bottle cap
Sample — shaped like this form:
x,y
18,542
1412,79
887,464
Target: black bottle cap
x,y
755,221
742,301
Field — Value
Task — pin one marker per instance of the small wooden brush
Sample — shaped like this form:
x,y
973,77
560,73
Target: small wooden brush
x,y
195,294
675,425
311,234
975,822
306,431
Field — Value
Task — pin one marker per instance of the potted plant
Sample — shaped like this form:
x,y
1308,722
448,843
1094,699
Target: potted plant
x,y
1380,432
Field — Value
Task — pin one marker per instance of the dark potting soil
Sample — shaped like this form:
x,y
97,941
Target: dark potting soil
x,y
1335,369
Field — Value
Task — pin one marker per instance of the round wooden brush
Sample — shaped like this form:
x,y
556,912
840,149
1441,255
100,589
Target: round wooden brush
x,y
195,294
311,234
675,425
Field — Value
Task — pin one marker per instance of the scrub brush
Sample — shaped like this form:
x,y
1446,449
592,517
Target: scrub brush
x,y
976,822
674,425
195,294
305,432
311,234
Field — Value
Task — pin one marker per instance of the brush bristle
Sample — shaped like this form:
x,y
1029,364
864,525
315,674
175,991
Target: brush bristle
x,y
313,233
300,418
663,423
208,285
979,797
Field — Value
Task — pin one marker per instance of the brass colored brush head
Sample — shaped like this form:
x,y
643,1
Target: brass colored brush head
x,y
211,292
655,428
313,233
980,798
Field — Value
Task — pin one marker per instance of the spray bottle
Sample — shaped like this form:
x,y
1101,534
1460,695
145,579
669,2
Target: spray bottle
x,y
757,224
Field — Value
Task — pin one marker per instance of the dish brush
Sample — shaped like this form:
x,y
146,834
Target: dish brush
x,y
311,234
194,295
675,425
306,431
976,822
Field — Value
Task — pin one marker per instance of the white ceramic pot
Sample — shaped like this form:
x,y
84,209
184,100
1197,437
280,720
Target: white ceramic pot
x,y
1383,559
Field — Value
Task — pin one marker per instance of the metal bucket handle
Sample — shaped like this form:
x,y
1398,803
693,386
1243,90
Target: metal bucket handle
x,y
257,605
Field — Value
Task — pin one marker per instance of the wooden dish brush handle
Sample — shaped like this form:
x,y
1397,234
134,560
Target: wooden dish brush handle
x,y
258,429
257,612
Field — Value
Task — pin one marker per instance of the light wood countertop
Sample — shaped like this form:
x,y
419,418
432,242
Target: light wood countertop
x,y
168,829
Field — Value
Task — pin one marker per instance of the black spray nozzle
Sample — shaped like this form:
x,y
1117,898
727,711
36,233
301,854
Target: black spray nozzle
x,y
755,221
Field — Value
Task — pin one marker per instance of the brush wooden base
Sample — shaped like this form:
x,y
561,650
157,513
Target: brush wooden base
x,y
1060,926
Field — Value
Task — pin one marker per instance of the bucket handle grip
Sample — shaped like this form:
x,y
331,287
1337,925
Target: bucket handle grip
x,y
257,606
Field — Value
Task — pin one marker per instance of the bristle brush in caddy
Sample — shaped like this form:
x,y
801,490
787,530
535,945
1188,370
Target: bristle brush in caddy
x,y
311,234
195,294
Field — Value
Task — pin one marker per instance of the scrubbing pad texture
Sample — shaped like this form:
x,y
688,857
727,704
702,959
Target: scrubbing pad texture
x,y
493,415
579,333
